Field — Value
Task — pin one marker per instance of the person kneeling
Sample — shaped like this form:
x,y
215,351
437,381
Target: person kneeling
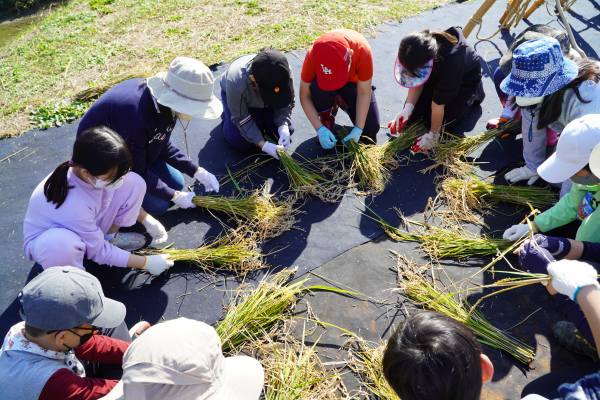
x,y
66,319
182,359
77,210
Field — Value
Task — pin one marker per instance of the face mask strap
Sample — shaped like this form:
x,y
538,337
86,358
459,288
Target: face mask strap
x,y
533,114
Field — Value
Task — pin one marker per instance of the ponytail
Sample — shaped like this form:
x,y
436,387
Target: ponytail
x,y
100,151
417,48
57,186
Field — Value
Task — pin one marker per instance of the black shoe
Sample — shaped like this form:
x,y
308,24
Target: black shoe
x,y
570,337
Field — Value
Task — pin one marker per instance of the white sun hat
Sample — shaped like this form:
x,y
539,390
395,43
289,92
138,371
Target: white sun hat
x,y
187,87
574,150
182,359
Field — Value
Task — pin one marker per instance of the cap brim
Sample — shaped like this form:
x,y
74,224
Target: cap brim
x,y
414,81
554,170
210,109
595,160
277,100
111,316
243,379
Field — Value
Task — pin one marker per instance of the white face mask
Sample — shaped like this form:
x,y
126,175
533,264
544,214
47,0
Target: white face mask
x,y
528,101
100,184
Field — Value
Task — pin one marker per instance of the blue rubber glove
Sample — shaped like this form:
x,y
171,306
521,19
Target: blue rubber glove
x,y
558,247
354,135
326,138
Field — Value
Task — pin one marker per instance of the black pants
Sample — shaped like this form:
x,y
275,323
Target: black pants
x,y
454,111
325,99
108,371
547,385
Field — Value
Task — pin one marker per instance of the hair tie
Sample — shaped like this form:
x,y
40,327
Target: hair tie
x,y
72,163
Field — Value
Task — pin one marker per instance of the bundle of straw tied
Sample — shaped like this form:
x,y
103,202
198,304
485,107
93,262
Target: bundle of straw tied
x,y
262,321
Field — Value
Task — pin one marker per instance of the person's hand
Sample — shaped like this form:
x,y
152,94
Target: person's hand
x,y
271,149
534,259
496,123
157,264
326,138
521,174
284,136
516,232
426,142
354,135
398,123
209,181
184,199
155,229
558,247
569,276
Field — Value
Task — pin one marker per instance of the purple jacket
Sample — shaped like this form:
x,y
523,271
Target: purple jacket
x,y
129,110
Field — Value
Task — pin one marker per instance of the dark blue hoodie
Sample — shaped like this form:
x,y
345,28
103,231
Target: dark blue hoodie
x,y
129,110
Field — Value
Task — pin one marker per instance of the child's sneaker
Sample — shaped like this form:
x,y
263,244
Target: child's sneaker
x,y
570,337
128,241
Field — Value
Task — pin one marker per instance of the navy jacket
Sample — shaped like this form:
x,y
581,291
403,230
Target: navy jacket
x,y
129,110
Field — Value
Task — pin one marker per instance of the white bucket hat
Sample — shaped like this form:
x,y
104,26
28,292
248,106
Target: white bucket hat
x,y
187,87
573,151
182,359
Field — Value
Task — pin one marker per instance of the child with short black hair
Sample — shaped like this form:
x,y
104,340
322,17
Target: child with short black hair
x,y
432,356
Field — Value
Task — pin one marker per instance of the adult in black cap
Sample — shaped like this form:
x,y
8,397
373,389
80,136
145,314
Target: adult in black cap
x,y
67,320
257,91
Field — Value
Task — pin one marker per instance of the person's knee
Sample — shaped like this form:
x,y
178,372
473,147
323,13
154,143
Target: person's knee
x,y
154,205
177,179
59,247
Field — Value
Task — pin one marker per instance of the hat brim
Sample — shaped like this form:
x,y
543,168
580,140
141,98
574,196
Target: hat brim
x,y
278,100
243,379
414,81
554,170
595,160
210,109
112,315
514,86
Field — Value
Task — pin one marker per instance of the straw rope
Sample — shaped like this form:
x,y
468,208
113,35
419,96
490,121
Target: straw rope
x,y
514,16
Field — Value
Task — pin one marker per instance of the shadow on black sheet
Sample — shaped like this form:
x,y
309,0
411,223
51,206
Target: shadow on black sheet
x,y
326,230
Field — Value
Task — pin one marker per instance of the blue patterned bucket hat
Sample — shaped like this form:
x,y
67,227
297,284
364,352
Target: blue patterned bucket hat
x,y
538,69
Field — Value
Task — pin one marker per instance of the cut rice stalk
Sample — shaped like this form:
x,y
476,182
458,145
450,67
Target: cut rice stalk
x,y
236,252
294,370
252,313
96,91
266,217
439,242
394,147
367,167
423,291
304,180
366,362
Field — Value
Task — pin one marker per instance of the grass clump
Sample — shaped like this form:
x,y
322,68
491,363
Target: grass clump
x,y
366,362
416,286
59,113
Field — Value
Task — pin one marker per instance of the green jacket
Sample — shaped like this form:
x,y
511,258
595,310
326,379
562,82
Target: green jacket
x,y
566,210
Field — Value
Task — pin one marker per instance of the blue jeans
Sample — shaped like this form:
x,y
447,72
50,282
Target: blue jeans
x,y
155,205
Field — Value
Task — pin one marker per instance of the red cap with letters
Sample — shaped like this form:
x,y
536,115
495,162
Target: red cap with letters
x,y
330,56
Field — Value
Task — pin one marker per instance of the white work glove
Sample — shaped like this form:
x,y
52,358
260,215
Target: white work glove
x,y
398,123
157,264
184,200
271,149
284,135
520,174
516,232
569,276
209,181
155,229
426,142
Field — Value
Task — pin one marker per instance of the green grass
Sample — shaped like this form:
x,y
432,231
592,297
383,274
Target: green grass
x,y
84,43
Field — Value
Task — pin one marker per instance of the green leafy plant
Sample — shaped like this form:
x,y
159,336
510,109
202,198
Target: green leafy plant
x,y
101,6
58,113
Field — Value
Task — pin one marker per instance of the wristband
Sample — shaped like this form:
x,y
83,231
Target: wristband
x,y
145,261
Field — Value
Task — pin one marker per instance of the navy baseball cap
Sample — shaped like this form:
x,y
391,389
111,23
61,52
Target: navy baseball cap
x,y
65,297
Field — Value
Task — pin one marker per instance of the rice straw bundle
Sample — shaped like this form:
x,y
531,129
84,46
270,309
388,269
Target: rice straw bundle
x,y
424,292
235,252
96,91
464,195
295,371
394,147
304,180
266,217
366,363
368,167
439,242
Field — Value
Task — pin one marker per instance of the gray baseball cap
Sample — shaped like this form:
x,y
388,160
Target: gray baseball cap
x,y
66,297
